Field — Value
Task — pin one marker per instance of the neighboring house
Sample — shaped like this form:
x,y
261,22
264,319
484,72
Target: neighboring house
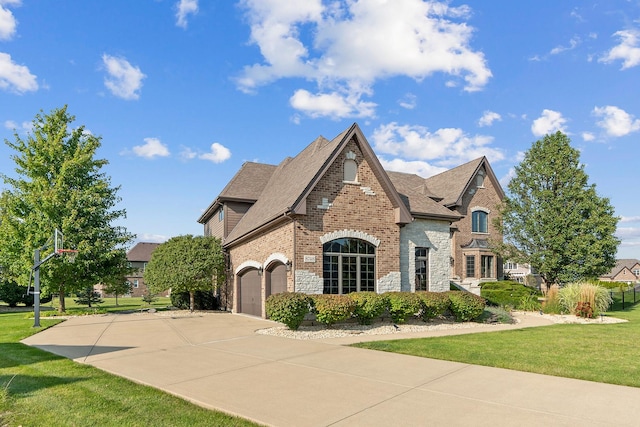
x,y
138,257
332,220
625,270
522,273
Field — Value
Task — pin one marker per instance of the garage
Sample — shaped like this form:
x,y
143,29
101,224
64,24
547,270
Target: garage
x,y
276,279
250,290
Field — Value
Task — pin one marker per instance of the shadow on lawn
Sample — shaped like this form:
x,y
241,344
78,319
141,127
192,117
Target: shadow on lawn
x,y
22,385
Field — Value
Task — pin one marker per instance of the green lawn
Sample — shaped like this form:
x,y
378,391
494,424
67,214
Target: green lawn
x,y
107,306
602,353
40,389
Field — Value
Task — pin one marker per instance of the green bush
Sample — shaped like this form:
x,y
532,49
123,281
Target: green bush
x,y
574,296
466,306
433,304
403,305
507,293
330,309
288,308
368,306
202,300
13,294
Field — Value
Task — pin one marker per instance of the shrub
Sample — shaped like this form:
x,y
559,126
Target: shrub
x,y
433,304
330,308
403,305
575,294
11,292
288,308
551,305
528,303
506,293
368,305
466,306
202,300
492,314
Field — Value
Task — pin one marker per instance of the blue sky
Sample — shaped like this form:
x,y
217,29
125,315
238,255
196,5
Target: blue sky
x,y
183,92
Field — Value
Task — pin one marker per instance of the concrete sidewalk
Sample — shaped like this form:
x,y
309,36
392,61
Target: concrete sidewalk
x,y
218,361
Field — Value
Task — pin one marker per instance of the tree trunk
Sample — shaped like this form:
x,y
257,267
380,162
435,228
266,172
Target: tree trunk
x,y
116,299
192,300
62,308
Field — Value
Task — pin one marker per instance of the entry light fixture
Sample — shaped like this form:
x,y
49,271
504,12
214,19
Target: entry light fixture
x,y
288,265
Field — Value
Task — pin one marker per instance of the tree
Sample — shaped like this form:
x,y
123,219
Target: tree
x,y
117,283
58,184
186,264
553,219
88,296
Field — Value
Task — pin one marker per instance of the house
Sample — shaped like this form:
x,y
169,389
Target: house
x,y
522,273
332,220
625,270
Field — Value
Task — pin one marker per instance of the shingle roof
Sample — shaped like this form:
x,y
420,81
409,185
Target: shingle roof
x,y
621,264
141,252
417,197
246,185
295,177
451,184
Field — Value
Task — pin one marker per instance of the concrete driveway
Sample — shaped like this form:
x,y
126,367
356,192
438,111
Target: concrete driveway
x,y
219,362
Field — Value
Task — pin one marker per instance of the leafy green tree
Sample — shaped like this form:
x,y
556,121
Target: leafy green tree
x,y
117,283
59,184
186,264
553,218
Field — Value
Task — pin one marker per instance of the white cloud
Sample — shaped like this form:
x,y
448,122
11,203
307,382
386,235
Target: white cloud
x,y
151,148
444,147
588,136
334,104
24,127
409,101
15,78
573,43
488,118
628,50
123,80
152,238
345,46
218,154
184,9
188,154
615,121
424,169
630,219
505,180
550,122
8,22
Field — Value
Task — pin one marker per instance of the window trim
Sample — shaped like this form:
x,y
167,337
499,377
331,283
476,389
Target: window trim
x,y
331,266
422,283
476,224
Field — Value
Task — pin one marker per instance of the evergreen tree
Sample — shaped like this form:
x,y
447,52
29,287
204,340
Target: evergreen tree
x,y
58,184
553,218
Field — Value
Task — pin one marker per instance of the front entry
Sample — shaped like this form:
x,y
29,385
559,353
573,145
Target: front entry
x,y
250,293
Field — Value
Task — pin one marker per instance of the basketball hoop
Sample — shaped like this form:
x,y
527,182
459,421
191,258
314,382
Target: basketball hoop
x,y
71,254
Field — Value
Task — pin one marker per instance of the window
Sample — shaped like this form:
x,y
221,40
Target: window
x,y
471,266
144,266
422,269
480,179
510,265
479,222
221,214
486,266
350,170
636,272
348,265
135,283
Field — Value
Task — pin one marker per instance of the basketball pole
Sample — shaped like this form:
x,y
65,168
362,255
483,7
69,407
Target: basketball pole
x,y
36,277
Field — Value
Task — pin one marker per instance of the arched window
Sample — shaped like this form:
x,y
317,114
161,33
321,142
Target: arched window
x,y
350,170
349,265
480,222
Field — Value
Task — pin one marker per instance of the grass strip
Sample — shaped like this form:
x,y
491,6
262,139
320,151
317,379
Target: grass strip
x,y
603,353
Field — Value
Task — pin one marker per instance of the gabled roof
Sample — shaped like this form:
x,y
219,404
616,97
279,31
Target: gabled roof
x,y
246,185
621,264
293,180
141,252
417,197
452,184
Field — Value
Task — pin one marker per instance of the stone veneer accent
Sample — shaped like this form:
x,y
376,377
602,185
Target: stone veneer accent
x,y
349,233
308,283
430,234
389,283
